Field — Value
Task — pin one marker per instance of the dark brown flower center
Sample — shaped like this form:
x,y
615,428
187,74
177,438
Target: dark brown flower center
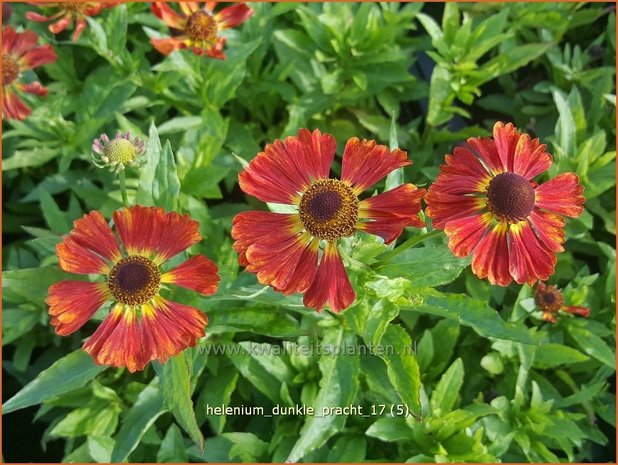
x,y
134,280
329,209
548,298
10,69
510,197
201,27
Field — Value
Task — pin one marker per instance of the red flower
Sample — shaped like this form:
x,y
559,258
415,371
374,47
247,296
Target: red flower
x,y
66,13
283,249
142,326
486,202
550,300
20,53
198,26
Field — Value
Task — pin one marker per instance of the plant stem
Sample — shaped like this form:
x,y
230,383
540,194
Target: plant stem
x,y
388,256
123,189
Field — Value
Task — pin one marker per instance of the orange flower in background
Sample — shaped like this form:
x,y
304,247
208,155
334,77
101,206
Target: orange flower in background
x,y
20,53
141,326
66,13
486,202
284,249
198,26
550,300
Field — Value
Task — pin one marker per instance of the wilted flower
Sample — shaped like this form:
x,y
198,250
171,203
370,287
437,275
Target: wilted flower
x,y
198,26
67,12
486,202
20,53
284,249
550,300
118,152
142,326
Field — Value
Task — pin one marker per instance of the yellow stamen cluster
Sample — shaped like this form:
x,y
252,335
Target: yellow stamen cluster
x,y
10,69
201,27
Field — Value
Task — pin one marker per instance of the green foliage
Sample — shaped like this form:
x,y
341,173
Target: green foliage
x,y
430,364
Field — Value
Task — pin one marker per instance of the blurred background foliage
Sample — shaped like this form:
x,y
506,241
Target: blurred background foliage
x,y
490,380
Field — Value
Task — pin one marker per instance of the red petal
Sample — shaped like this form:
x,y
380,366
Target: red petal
x,y
485,149
463,173
365,163
33,88
13,107
92,232
80,25
549,317
288,264
561,195
254,227
37,56
168,15
442,207
74,258
234,15
72,304
117,341
168,45
216,51
32,16
581,311
61,25
529,260
508,142
491,257
197,273
167,328
331,284
549,229
23,42
188,8
9,37
532,160
392,211
285,169
464,234
95,8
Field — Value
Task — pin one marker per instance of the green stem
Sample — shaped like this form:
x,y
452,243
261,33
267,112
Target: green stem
x,y
388,256
123,189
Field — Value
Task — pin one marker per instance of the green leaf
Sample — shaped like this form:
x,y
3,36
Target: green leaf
x,y
440,96
425,266
338,388
147,408
593,345
446,392
100,448
469,312
380,315
348,449
402,367
551,355
566,124
32,283
217,391
175,381
29,158
54,217
246,447
510,60
390,430
172,448
70,372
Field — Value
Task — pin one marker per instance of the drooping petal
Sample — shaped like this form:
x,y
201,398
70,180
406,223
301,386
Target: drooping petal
x,y
168,328
92,232
256,227
73,303
331,284
61,24
37,56
23,42
216,51
529,260
169,44
581,311
197,273
549,228
94,8
170,17
464,234
442,207
288,265
80,25
13,107
285,169
562,195
388,213
33,16
365,163
491,257
117,341
234,15
9,37
33,88
74,258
